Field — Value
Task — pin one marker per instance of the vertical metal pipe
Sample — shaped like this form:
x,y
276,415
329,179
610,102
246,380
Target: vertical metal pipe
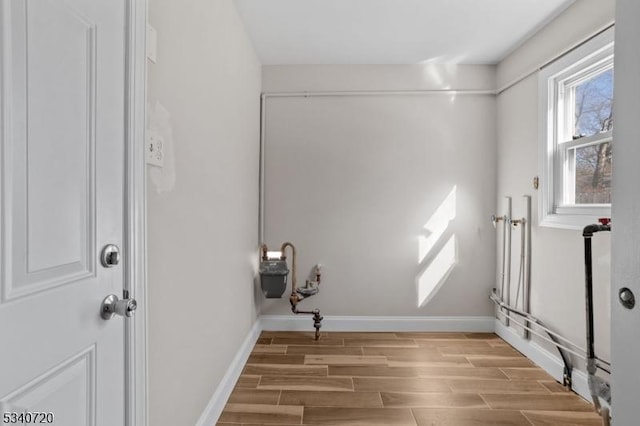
x,y
589,297
597,386
263,107
508,257
504,253
526,296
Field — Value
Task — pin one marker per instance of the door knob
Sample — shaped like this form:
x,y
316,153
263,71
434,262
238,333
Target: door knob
x,y
627,298
110,256
111,306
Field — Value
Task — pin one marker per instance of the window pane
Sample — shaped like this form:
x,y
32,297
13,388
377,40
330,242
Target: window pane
x,y
593,174
593,112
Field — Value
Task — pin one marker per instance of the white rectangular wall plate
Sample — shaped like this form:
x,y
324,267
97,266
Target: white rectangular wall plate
x,y
154,149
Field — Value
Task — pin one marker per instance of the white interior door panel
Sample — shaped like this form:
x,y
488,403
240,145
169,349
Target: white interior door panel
x,y
62,141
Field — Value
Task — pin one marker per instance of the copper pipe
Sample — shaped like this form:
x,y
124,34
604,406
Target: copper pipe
x,y
294,299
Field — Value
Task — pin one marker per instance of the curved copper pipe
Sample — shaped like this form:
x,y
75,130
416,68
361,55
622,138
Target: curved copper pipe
x,y
294,296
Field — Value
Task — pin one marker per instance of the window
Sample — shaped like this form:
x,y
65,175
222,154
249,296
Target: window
x,y
576,114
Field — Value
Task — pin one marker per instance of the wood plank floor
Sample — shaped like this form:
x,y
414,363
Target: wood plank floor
x,y
418,379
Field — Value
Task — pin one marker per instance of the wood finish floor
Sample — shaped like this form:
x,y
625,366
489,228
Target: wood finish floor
x,y
419,379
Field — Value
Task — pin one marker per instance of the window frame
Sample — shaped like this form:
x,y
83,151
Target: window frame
x,y
581,63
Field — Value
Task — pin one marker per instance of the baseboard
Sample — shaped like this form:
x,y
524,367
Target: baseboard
x,y
546,360
330,323
551,363
379,323
223,391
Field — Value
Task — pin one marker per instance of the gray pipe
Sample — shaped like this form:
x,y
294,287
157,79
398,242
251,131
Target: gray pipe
x,y
508,256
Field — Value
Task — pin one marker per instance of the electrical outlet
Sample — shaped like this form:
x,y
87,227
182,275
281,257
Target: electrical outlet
x,y
155,149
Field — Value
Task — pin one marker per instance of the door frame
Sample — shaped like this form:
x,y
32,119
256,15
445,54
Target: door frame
x,y
135,272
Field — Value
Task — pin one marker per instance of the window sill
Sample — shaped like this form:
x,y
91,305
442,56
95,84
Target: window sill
x,y
569,221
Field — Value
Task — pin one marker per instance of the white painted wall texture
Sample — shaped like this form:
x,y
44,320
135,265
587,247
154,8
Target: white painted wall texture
x,y
557,287
323,78
571,27
202,235
392,194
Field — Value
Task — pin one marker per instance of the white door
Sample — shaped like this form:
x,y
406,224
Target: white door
x,y
625,238
62,98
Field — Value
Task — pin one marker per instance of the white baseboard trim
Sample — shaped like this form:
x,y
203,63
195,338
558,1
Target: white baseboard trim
x,y
378,323
546,360
580,384
551,363
215,406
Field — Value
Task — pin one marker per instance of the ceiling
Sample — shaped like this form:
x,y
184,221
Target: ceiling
x,y
392,31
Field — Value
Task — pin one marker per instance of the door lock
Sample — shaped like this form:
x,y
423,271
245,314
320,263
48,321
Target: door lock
x,y
627,298
110,256
111,306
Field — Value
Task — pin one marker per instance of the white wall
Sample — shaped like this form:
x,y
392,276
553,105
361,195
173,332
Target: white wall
x,y
300,78
573,26
626,217
557,287
352,181
202,235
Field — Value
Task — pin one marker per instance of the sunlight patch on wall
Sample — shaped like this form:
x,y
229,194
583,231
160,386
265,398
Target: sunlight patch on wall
x,y
432,73
437,225
435,275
